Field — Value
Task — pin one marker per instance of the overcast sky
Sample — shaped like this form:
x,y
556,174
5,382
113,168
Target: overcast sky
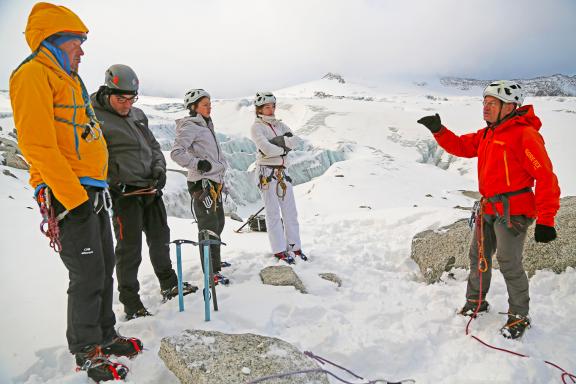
x,y
234,47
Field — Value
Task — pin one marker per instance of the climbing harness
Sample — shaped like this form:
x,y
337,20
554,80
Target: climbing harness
x,y
323,361
140,192
210,194
49,224
277,173
483,267
504,198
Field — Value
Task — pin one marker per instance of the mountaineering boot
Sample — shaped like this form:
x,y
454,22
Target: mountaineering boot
x,y
123,346
97,366
170,293
221,279
470,307
300,254
515,326
142,312
225,264
285,256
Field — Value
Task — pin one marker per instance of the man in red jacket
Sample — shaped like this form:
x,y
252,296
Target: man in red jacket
x,y
511,157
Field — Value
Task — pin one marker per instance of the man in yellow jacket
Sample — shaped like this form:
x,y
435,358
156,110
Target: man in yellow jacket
x,y
60,138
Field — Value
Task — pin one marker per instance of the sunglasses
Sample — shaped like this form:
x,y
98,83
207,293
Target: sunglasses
x,y
124,99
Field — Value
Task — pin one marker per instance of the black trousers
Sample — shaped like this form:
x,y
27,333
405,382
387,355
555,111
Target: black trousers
x,y
88,254
208,218
132,216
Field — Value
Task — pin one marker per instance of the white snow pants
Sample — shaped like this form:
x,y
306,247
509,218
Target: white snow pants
x,y
282,237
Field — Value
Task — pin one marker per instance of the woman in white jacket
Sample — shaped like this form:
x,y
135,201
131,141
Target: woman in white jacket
x,y
274,140
197,149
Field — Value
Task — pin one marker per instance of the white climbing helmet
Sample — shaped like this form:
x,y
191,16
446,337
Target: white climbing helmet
x,y
264,97
506,90
194,95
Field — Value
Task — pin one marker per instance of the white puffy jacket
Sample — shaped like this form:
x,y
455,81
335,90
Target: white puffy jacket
x,y
264,129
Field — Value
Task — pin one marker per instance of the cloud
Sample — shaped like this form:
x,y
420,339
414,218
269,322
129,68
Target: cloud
x,y
233,48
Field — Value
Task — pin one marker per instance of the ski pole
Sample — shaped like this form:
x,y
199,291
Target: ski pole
x,y
179,243
249,218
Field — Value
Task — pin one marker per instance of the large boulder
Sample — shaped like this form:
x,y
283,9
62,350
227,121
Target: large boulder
x,y
440,250
208,357
281,275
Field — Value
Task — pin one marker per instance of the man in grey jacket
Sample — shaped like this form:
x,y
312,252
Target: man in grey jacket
x,y
136,175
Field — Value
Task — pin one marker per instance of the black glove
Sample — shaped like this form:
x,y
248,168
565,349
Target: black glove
x,y
84,210
288,134
544,233
433,122
279,141
159,176
204,166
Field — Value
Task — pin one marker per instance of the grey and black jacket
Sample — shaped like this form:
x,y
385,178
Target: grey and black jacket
x,y
133,149
196,140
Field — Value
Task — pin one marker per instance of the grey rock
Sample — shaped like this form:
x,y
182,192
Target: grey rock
x,y
14,160
438,251
331,277
8,173
209,357
281,275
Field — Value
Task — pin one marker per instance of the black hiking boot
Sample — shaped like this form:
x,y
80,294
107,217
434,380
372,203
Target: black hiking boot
x,y
142,312
470,308
170,293
123,346
97,366
515,326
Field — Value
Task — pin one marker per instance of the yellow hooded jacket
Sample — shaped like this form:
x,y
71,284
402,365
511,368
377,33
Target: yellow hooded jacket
x,y
51,113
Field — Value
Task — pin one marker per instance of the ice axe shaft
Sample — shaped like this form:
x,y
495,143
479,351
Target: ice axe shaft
x,y
179,243
249,218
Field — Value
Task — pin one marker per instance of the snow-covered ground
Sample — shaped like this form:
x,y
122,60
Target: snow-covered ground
x,y
357,220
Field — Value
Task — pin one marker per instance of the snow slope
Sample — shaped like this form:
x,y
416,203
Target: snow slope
x,y
357,220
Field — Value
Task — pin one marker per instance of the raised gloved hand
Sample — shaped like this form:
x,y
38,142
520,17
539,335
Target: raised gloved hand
x,y
204,166
432,122
279,141
544,233
159,176
288,134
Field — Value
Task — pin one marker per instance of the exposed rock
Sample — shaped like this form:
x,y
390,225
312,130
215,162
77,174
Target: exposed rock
x,y
281,275
438,251
331,277
15,161
334,76
208,357
8,173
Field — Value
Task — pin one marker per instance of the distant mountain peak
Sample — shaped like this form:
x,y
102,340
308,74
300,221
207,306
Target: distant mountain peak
x,y
555,85
334,76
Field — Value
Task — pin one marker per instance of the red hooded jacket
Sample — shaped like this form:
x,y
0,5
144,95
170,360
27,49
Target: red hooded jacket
x,y
511,156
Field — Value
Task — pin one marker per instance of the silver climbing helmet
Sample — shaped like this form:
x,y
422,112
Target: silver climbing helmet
x,y
506,90
121,78
264,97
193,96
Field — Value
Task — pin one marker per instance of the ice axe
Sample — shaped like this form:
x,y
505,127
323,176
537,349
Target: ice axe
x,y
179,243
248,221
205,242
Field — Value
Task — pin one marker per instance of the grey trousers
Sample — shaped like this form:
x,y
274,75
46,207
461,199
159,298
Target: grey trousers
x,y
508,244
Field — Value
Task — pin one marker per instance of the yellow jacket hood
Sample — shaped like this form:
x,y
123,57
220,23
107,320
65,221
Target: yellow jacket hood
x,y
47,19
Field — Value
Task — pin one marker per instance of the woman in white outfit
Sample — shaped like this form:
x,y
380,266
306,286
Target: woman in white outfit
x,y
197,149
274,140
